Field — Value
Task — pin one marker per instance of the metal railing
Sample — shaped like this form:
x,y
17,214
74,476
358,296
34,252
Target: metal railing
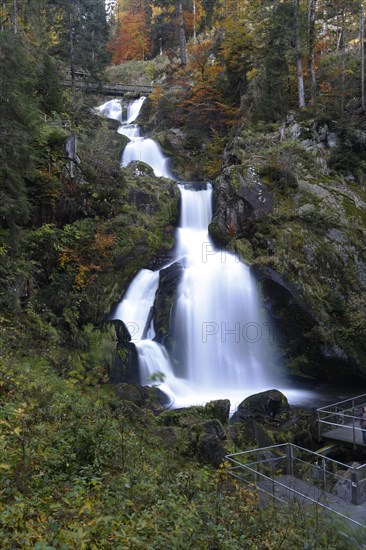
x,y
342,420
287,472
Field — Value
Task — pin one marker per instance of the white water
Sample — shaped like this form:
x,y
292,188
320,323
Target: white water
x,y
139,148
111,109
225,341
218,320
148,151
135,307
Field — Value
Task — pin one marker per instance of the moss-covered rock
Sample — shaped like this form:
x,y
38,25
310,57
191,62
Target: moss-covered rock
x,y
270,403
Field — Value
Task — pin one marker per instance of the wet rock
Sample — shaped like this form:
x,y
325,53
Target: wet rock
x,y
169,279
124,366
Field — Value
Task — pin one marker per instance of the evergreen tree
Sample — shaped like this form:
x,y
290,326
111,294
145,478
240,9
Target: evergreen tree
x,y
48,86
270,94
19,119
81,31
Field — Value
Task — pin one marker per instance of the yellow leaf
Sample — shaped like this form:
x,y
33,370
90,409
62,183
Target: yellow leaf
x,y
86,508
5,423
5,466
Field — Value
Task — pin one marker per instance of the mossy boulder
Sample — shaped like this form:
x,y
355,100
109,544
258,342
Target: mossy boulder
x,y
218,409
270,403
142,396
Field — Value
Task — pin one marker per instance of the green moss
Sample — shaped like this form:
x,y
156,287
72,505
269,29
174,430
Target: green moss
x,y
243,249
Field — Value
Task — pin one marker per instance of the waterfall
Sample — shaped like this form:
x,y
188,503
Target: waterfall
x,y
224,339
111,109
218,318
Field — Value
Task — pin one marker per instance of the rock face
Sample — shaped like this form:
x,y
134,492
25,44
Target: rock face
x,y
280,205
240,199
219,409
169,279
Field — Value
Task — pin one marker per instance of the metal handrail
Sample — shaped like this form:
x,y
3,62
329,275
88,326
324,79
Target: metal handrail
x,y
341,410
294,491
352,399
294,454
284,445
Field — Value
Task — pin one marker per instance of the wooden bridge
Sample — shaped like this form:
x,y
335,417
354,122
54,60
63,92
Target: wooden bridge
x,y
114,90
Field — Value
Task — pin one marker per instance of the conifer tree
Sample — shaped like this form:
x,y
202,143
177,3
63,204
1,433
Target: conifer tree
x,y
19,120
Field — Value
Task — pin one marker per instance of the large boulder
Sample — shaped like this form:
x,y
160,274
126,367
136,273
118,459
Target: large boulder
x,y
124,366
210,450
206,442
267,404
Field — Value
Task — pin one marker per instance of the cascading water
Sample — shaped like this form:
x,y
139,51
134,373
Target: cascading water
x,y
218,320
224,341
111,109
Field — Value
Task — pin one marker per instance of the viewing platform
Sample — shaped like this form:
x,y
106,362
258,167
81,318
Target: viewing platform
x,y
286,473
340,421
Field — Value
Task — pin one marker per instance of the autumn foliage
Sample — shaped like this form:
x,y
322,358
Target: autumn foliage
x,y
206,97
132,38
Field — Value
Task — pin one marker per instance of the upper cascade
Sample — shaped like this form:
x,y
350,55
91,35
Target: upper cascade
x,y
139,148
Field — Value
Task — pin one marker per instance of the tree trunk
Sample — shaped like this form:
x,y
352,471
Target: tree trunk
x,y
343,58
15,16
194,22
300,79
71,47
182,36
2,20
311,38
362,46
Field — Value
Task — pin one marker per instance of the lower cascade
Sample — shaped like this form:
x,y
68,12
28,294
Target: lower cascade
x,y
219,342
